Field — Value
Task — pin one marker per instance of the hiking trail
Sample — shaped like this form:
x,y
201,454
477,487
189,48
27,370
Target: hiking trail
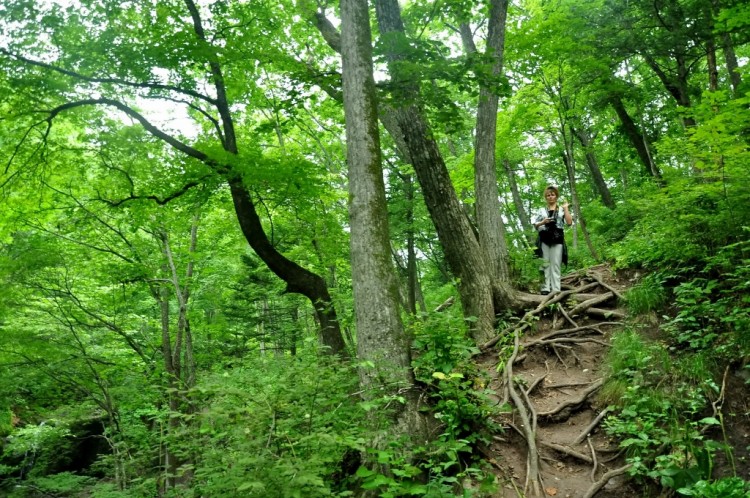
x,y
552,442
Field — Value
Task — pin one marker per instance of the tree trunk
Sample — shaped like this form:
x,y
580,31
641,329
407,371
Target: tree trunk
x,y
381,340
488,209
713,71
569,160
596,173
678,86
297,278
454,231
637,138
411,253
523,216
733,67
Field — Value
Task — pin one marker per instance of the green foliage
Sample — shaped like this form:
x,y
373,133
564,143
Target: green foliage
x,y
660,405
459,405
647,296
37,449
728,487
53,485
438,474
277,427
714,309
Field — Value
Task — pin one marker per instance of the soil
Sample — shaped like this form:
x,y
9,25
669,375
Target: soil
x,y
558,364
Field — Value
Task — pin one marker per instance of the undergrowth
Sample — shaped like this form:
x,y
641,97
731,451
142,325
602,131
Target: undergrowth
x,y
457,400
668,393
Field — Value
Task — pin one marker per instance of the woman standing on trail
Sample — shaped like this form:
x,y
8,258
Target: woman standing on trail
x,y
549,223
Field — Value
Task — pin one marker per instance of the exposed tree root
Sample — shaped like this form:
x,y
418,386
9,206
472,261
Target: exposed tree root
x,y
533,479
546,301
593,457
582,293
605,479
596,276
575,402
565,450
602,298
565,340
591,426
606,314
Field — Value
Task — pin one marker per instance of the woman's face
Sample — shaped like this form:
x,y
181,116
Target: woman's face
x,y
550,196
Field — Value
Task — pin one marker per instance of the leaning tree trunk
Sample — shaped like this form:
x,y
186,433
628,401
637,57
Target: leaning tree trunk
x,y
677,86
298,279
733,67
518,202
596,173
382,342
454,231
636,137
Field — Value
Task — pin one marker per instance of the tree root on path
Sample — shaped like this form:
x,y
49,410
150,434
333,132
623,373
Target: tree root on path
x,y
526,321
591,426
606,314
599,279
605,479
567,451
533,478
564,340
575,402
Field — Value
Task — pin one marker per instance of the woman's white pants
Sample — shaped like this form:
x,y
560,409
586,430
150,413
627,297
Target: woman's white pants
x,y
552,256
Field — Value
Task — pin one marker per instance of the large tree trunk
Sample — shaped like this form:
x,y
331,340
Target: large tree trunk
x,y
596,173
454,231
381,339
636,137
489,219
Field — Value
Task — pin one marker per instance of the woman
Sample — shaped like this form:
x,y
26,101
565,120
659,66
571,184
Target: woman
x,y
549,223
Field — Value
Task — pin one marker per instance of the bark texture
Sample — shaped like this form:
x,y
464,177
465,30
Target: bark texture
x,y
584,138
381,340
488,209
454,231
636,137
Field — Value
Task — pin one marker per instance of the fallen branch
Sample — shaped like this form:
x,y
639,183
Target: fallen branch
x,y
445,305
605,479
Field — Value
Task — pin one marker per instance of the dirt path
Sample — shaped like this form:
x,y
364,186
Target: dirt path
x,y
553,444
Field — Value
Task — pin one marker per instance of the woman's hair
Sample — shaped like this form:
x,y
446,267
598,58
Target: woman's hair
x,y
553,189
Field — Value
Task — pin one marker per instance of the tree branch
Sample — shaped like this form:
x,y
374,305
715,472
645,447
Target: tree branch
x,y
114,81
